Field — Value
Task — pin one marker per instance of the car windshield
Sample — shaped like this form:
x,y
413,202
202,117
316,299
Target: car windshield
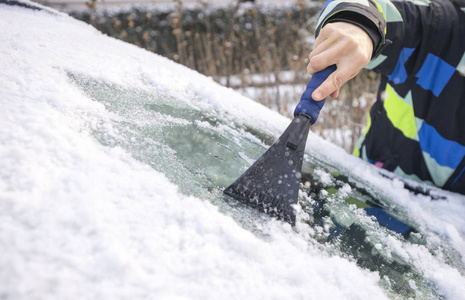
x,y
203,150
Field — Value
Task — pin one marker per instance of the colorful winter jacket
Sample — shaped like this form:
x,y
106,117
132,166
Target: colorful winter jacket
x,y
416,128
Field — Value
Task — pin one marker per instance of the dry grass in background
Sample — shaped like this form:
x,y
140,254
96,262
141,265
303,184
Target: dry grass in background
x,y
259,51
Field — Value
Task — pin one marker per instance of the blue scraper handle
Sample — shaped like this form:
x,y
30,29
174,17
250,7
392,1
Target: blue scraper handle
x,y
307,105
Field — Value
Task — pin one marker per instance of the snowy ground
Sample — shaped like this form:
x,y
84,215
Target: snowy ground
x,y
81,219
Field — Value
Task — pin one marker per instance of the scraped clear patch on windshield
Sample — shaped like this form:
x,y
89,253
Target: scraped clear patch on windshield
x,y
193,145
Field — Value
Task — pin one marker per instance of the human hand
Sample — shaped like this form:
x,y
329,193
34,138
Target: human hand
x,y
345,45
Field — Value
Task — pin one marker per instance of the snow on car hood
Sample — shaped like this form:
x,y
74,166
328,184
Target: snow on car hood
x,y
83,215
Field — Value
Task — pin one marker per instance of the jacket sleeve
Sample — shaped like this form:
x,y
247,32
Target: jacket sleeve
x,y
363,13
403,27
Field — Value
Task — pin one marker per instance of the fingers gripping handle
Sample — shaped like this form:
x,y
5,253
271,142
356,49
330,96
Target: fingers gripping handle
x,y
307,105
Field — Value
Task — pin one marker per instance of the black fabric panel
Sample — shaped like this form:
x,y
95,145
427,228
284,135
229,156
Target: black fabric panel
x,y
385,143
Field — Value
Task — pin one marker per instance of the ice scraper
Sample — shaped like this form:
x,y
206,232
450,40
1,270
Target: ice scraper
x,y
271,184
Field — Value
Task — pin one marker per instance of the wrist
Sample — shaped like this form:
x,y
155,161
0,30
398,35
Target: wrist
x,y
363,23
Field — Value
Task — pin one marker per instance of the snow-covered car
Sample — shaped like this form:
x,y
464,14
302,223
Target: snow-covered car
x,y
113,164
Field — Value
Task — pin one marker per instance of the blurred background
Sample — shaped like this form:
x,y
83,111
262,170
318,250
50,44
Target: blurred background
x,y
259,48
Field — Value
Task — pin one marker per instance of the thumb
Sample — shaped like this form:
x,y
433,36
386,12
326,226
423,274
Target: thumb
x,y
330,86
